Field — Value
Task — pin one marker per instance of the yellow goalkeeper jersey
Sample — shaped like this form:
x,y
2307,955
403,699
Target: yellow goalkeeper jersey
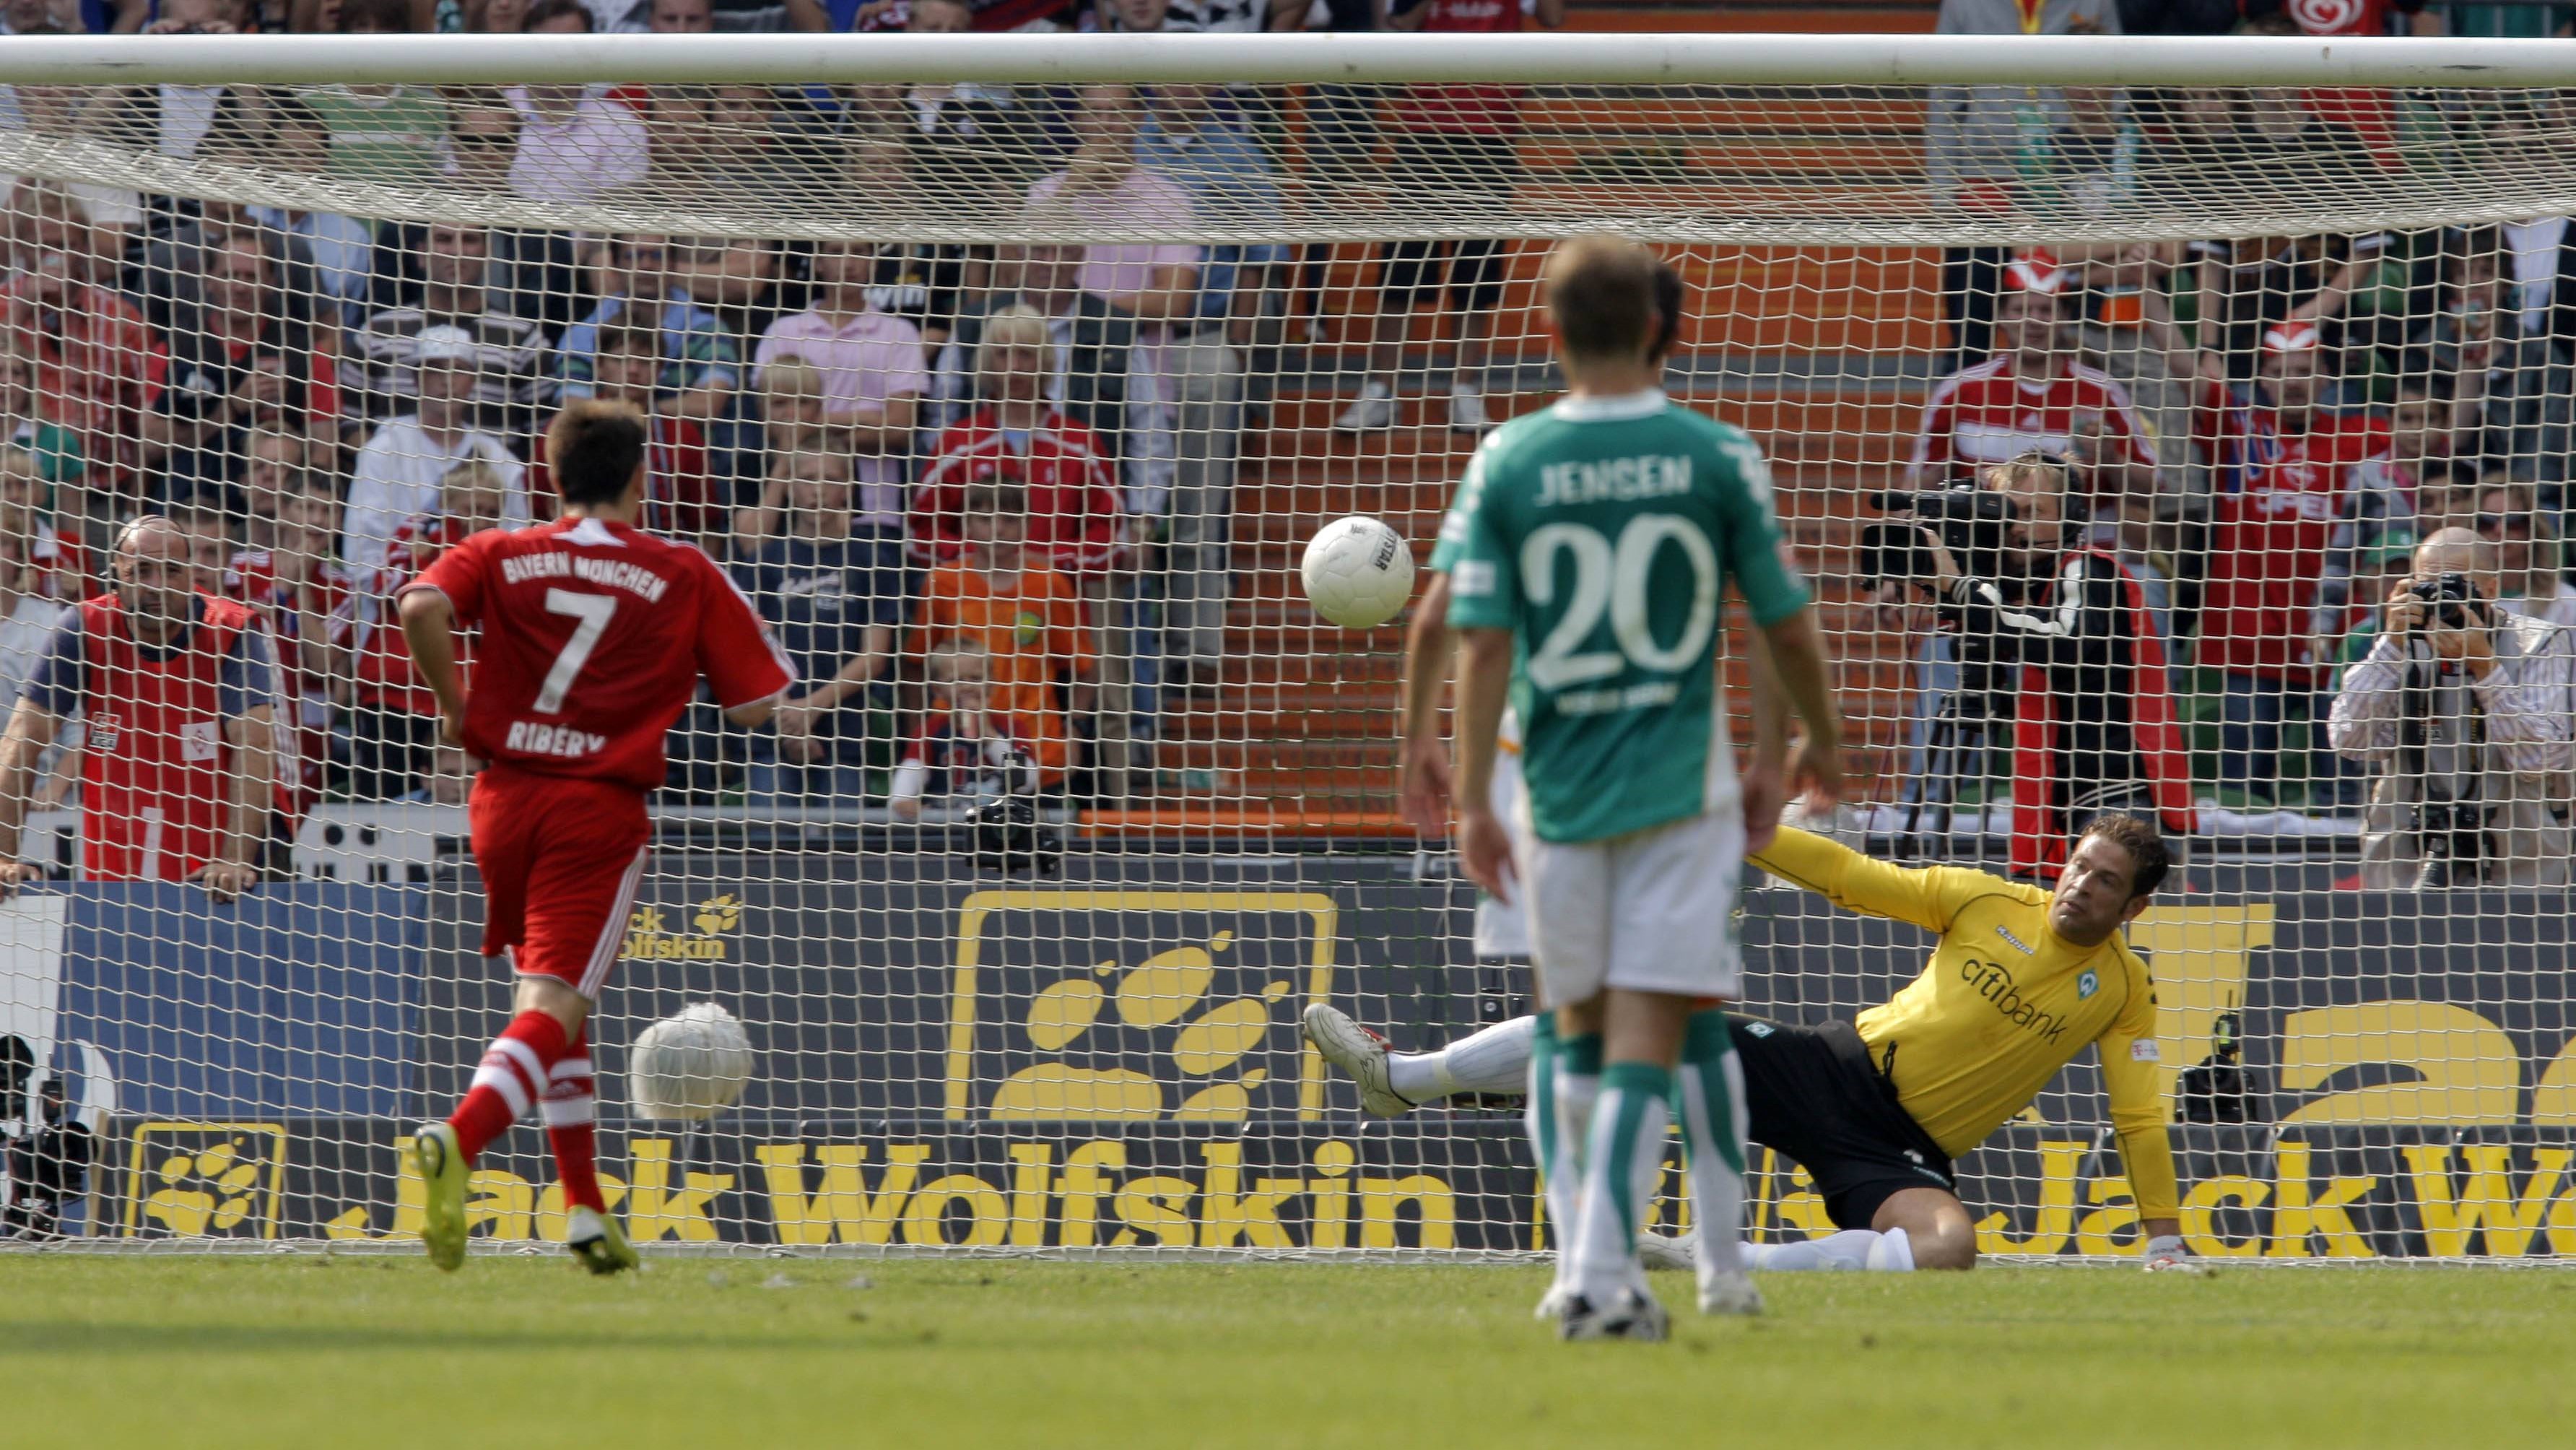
x,y
2001,1007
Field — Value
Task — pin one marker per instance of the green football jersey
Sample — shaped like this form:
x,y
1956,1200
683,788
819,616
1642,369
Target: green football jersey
x,y
1602,531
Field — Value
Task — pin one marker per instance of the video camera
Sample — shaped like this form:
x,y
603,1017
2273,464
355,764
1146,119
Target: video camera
x,y
1970,523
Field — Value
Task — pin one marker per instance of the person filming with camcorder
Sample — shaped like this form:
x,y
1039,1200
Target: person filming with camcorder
x,y
2054,638
2465,712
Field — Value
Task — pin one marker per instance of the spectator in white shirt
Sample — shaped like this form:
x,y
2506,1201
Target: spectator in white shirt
x,y
398,472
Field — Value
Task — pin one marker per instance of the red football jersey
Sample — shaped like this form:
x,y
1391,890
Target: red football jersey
x,y
1073,500
593,638
2278,498
1990,413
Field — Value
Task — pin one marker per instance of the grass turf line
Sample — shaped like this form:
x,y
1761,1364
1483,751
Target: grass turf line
x,y
385,1352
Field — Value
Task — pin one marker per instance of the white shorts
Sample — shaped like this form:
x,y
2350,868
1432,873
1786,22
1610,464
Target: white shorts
x,y
1651,911
1502,927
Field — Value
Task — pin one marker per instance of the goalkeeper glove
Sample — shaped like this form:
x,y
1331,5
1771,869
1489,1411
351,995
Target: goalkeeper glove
x,y
2165,1252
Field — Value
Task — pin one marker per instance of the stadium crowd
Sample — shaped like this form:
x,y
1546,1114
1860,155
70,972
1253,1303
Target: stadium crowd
x,y
983,493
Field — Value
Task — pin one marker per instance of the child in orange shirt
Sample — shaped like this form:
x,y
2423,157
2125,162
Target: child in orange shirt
x,y
1026,616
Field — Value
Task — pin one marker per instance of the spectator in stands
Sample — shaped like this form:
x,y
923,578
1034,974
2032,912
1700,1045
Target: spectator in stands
x,y
484,141
717,142
1089,341
170,276
966,749
680,498
1184,383
515,374
874,374
2282,466
389,135
38,572
1026,615
393,728
2464,715
736,278
116,212
179,773
302,598
794,417
238,363
26,422
575,145
2034,396
1073,524
835,592
1198,136
1456,147
919,282
1973,142
99,367
978,144
2348,632
2250,285
702,364
2530,578
1204,17
398,472
2529,371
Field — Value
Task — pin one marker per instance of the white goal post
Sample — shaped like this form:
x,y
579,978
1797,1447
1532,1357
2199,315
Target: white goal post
x,y
2292,322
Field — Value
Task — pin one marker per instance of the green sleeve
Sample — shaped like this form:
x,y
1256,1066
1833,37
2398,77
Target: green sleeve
x,y
1453,524
1484,585
1772,590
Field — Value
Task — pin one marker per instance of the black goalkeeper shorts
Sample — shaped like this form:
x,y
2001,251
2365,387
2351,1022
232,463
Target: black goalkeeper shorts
x,y
1814,1095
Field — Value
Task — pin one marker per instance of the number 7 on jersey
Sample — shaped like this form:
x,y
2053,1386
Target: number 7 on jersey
x,y
594,611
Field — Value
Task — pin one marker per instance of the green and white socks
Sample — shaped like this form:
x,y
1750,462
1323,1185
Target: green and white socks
x,y
1564,1084
1622,1158
1714,1120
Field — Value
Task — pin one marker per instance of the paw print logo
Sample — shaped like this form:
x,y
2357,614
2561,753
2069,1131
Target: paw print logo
x,y
220,1184
718,914
1196,1046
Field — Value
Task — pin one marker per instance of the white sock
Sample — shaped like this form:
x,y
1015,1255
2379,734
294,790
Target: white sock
x,y
1706,1091
1893,1253
1495,1060
1849,1251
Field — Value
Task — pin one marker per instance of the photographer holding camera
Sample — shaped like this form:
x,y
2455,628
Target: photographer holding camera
x,y
2067,634
2467,711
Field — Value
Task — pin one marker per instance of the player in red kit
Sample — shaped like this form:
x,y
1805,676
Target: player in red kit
x,y
593,636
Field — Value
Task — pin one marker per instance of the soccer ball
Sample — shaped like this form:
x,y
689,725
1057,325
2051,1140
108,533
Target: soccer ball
x,y
1358,572
690,1067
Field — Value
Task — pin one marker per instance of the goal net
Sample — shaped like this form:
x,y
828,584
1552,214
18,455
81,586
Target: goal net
x,y
1009,376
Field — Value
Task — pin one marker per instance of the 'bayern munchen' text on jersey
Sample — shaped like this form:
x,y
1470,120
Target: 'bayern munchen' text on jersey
x,y
593,638
1603,531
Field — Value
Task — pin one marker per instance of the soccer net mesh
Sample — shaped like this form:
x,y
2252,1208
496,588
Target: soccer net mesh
x,y
2284,353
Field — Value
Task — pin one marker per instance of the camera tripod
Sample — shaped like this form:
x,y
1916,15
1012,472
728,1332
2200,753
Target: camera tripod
x,y
1959,747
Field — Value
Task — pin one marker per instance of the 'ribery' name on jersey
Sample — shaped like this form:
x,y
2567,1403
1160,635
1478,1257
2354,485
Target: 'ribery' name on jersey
x,y
1612,480
615,573
561,741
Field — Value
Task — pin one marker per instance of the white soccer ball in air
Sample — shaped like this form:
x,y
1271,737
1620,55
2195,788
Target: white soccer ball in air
x,y
1358,572
690,1067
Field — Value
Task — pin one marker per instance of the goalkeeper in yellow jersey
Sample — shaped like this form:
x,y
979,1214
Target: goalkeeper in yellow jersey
x,y
1875,1110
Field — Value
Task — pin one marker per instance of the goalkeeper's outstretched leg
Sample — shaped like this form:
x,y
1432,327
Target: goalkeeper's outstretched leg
x,y
1860,1162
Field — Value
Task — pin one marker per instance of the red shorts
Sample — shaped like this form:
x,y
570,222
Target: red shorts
x,y
561,859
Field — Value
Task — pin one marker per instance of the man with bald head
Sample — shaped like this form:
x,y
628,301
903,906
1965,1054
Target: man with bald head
x,y
178,691
2465,713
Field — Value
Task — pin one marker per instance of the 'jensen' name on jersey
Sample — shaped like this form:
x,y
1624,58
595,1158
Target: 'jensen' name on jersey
x,y
615,573
1612,480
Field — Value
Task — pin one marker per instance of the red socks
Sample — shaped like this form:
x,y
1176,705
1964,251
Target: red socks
x,y
515,1075
570,1103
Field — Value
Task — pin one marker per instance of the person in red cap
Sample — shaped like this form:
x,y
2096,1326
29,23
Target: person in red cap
x,y
2033,396
2281,470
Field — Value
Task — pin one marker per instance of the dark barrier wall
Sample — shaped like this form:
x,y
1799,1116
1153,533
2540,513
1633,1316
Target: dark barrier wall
x,y
1113,1059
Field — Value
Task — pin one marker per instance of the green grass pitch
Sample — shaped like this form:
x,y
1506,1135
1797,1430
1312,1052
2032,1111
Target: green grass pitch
x,y
367,1352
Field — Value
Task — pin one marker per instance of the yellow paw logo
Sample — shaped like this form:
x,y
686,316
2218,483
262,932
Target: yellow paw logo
x,y
718,914
210,1180
1198,1045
